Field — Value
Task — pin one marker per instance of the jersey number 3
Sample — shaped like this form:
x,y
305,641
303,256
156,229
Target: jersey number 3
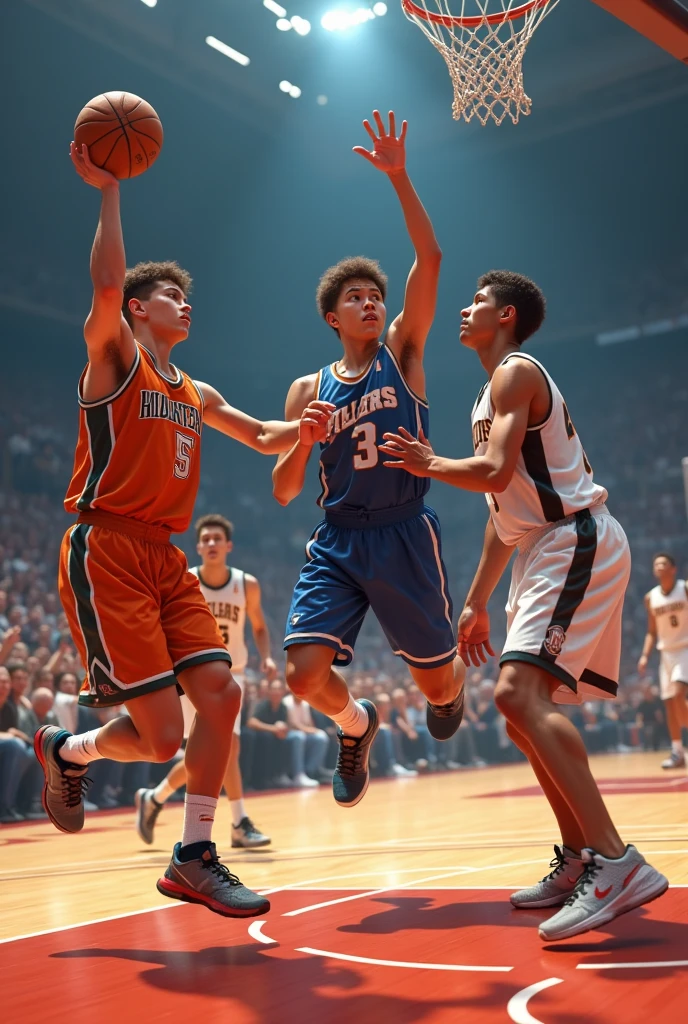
x,y
182,461
366,452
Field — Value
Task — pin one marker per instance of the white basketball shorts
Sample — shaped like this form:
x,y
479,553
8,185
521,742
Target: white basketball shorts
x,y
673,671
566,601
189,711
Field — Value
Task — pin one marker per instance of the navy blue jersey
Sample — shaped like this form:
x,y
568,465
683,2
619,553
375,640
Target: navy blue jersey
x,y
378,401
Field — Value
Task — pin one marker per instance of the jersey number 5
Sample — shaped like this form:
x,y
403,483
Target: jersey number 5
x,y
366,453
182,462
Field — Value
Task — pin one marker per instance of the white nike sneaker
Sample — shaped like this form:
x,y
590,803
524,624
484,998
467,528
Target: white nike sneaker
x,y
304,781
605,890
675,760
556,887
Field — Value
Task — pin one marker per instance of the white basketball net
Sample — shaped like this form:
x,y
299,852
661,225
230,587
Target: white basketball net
x,y
483,45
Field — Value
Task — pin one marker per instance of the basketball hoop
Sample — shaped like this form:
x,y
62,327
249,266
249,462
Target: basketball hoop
x,y
483,50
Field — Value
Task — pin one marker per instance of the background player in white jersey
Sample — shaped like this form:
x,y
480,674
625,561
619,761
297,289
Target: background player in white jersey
x,y
232,595
566,598
667,626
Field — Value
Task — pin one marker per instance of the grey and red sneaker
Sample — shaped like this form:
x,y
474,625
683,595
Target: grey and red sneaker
x,y
605,890
207,881
147,811
65,783
352,774
556,887
246,834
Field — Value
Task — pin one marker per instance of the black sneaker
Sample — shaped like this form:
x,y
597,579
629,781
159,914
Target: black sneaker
x,y
247,835
147,811
444,719
207,881
65,783
351,776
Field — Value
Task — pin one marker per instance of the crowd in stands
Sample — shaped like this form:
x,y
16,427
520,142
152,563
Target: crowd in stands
x,y
634,436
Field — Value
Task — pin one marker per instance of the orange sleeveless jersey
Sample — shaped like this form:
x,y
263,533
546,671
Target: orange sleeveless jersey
x,y
138,452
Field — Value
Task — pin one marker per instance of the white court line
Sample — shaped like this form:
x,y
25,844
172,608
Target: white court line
x,y
628,966
84,924
397,963
404,885
517,1007
255,931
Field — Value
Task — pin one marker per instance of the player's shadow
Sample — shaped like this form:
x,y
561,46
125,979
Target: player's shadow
x,y
413,913
278,987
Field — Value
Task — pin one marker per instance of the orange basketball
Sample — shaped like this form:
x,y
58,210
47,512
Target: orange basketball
x,y
123,133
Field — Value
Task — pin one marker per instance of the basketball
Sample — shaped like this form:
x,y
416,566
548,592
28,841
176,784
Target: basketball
x,y
122,131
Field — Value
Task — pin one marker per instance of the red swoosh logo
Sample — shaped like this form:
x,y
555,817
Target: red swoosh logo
x,y
605,892
628,878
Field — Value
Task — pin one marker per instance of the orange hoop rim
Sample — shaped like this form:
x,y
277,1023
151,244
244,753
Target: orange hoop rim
x,y
475,20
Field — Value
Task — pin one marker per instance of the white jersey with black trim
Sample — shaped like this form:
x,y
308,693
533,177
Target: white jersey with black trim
x,y
671,616
552,478
228,605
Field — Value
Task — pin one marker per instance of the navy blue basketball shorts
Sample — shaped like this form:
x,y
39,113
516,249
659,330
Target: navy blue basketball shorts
x,y
397,570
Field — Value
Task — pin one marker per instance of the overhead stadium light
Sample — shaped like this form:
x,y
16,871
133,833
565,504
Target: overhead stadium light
x,y
277,9
291,90
283,25
300,25
149,3
341,20
221,47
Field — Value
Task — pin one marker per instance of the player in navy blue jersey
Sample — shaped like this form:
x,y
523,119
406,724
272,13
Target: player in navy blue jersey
x,y
379,544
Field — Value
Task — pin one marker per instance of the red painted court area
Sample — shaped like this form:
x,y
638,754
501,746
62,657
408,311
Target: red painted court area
x,y
652,784
434,956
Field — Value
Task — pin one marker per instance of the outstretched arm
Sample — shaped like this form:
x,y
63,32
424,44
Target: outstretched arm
x,y
290,472
407,334
269,437
109,340
259,626
514,386
474,622
650,638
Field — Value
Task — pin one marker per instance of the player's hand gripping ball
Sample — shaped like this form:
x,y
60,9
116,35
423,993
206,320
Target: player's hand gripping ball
x,y
122,132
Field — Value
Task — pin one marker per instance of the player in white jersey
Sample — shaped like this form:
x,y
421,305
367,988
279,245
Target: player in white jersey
x,y
232,595
565,603
667,627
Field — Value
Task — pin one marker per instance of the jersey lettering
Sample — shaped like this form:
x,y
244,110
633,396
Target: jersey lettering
x,y
185,447
366,453
157,406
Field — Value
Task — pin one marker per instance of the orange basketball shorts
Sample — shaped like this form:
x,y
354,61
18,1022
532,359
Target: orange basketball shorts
x,y
135,611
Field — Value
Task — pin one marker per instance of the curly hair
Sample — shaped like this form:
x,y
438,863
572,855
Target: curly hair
x,y
512,289
333,280
139,282
213,519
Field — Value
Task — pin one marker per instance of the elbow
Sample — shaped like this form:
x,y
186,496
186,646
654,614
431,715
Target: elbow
x,y
498,480
281,496
108,291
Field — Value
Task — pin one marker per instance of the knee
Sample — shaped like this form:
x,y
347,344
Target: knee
x,y
510,701
308,669
163,746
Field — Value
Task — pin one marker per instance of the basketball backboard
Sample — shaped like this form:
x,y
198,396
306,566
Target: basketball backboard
x,y
665,22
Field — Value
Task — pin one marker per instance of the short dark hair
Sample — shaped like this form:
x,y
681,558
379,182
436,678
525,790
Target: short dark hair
x,y
512,289
16,666
334,279
139,282
213,519
664,554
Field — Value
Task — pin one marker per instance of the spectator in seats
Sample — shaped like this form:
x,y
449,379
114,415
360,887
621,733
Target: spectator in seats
x,y
4,621
307,744
485,725
386,752
269,722
15,753
19,681
412,747
9,643
651,718
416,716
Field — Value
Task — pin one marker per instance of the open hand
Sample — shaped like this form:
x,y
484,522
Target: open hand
x,y
474,636
413,456
314,425
389,152
269,669
87,170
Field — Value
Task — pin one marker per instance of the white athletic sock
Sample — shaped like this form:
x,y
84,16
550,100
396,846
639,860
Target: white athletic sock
x,y
677,747
163,791
238,811
81,749
199,815
353,720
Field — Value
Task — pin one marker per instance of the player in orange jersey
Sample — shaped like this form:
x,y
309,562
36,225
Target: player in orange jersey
x,y
136,613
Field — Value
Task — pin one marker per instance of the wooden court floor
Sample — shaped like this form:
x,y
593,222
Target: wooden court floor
x,y
394,911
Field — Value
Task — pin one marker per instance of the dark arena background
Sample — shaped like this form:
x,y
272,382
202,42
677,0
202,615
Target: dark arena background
x,y
397,910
